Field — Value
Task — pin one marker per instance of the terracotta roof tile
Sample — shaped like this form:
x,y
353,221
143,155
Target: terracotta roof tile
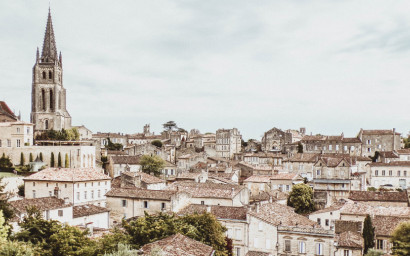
x,y
350,239
42,203
68,174
347,225
210,190
221,212
379,196
385,225
357,208
140,193
87,209
179,245
394,163
119,159
256,253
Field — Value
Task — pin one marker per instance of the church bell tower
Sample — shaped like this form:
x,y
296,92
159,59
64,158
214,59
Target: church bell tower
x,y
48,102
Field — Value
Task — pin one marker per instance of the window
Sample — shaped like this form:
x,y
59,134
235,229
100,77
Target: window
x,y
390,173
0,143
65,185
9,143
337,147
99,193
330,147
50,75
50,193
318,221
319,249
383,173
404,173
260,226
287,187
302,247
317,172
78,195
202,202
145,204
238,251
28,130
162,206
327,221
369,142
34,184
18,143
34,194
346,253
47,215
85,194
92,194
379,244
60,213
124,203
287,245
376,173
85,184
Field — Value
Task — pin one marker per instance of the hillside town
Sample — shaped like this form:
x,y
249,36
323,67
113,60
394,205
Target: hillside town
x,y
289,192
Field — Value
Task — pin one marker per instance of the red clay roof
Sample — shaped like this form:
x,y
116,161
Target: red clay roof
x,y
6,110
68,174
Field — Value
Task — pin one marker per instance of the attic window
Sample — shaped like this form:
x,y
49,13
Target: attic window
x,y
343,164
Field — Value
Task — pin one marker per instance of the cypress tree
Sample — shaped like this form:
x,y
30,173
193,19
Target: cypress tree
x,y
22,159
368,234
41,157
67,163
52,160
59,160
31,157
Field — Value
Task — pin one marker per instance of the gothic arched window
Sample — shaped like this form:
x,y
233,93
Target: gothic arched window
x,y
44,75
50,75
46,124
43,97
51,100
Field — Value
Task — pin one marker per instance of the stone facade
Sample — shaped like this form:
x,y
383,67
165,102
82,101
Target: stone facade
x,y
16,134
48,104
379,140
274,139
228,142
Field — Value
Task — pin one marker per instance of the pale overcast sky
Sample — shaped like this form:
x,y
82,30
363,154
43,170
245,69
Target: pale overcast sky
x,y
330,66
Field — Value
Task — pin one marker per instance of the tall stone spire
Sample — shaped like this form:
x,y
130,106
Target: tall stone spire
x,y
49,53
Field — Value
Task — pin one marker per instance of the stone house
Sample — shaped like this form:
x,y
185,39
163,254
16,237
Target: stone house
x,y
233,218
333,175
178,245
387,157
276,229
331,144
261,158
123,163
349,244
404,154
91,215
265,183
103,138
383,229
16,134
274,139
75,185
127,202
213,193
169,170
52,208
185,162
199,177
381,198
6,115
139,180
247,170
379,140
228,142
85,133
258,184
301,163
390,175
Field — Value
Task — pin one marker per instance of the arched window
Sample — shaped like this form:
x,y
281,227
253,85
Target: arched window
x,y
50,75
44,75
43,97
51,100
46,124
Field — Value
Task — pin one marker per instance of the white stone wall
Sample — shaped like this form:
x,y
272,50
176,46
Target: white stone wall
x,y
331,216
100,220
383,176
262,236
16,134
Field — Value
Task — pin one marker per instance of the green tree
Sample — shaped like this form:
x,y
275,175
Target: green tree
x,y
169,126
20,191
41,156
201,227
22,160
5,162
15,248
53,238
376,155
113,146
30,159
372,252
52,160
66,161
5,207
152,164
4,228
368,234
123,250
156,143
108,243
300,147
59,163
401,239
301,198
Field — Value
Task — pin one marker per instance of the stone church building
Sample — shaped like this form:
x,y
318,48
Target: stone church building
x,y
48,104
